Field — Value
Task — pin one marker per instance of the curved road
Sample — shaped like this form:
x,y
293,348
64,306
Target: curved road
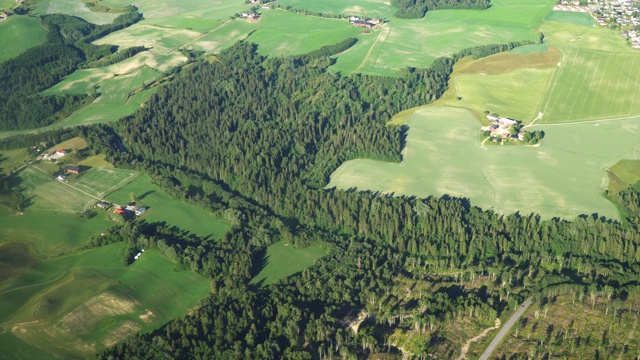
x,y
505,329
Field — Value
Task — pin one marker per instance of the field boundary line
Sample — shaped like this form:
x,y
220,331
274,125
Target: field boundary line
x,y
553,81
366,57
203,35
73,187
568,123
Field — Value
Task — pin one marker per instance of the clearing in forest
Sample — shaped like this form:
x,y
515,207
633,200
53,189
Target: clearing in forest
x,y
282,260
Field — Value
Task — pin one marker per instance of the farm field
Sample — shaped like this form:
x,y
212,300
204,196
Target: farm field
x,y
281,261
368,8
164,208
565,176
55,234
19,33
445,32
198,15
100,182
116,100
223,37
623,174
593,85
74,8
77,304
281,33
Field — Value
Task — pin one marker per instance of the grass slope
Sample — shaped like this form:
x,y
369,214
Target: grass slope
x,y
17,34
164,208
13,159
78,304
623,174
282,260
565,176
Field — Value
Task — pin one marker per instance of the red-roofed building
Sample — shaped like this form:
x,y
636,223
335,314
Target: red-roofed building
x,y
120,211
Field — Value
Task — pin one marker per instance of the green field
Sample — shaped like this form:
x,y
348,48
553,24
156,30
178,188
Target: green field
x,y
623,174
100,182
517,94
280,33
593,84
17,34
445,32
368,8
74,8
223,37
54,234
282,260
197,15
564,176
164,208
77,304
43,193
13,159
570,17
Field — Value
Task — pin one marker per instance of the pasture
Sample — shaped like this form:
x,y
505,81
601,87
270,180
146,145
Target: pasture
x,y
173,212
564,176
75,305
74,8
367,8
223,37
282,260
445,32
17,34
77,143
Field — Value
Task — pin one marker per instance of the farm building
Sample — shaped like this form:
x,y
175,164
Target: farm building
x,y
61,152
103,204
120,211
140,210
61,177
73,170
364,24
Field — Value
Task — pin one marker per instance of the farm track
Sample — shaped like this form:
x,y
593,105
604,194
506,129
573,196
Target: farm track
x,y
366,58
505,329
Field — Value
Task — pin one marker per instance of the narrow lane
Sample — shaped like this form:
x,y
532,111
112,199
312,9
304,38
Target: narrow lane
x,y
505,329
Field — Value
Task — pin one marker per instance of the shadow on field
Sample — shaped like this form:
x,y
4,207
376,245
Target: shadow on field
x,y
141,197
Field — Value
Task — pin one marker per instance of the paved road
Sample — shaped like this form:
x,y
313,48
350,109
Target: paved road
x,y
505,329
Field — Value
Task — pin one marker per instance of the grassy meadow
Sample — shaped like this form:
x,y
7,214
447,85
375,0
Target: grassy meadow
x,y
223,37
282,260
623,174
73,8
19,33
564,176
13,159
77,304
164,208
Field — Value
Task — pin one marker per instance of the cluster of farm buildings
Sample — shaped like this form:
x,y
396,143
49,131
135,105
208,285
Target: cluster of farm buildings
x,y
365,23
623,14
124,210
501,128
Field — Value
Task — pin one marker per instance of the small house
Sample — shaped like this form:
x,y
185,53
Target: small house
x,y
120,211
73,170
62,177
141,210
61,152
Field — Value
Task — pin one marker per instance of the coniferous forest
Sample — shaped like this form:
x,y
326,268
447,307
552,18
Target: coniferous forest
x,y
254,139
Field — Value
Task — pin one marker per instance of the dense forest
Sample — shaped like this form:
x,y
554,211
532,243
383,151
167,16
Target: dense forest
x,y
66,48
415,9
254,139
